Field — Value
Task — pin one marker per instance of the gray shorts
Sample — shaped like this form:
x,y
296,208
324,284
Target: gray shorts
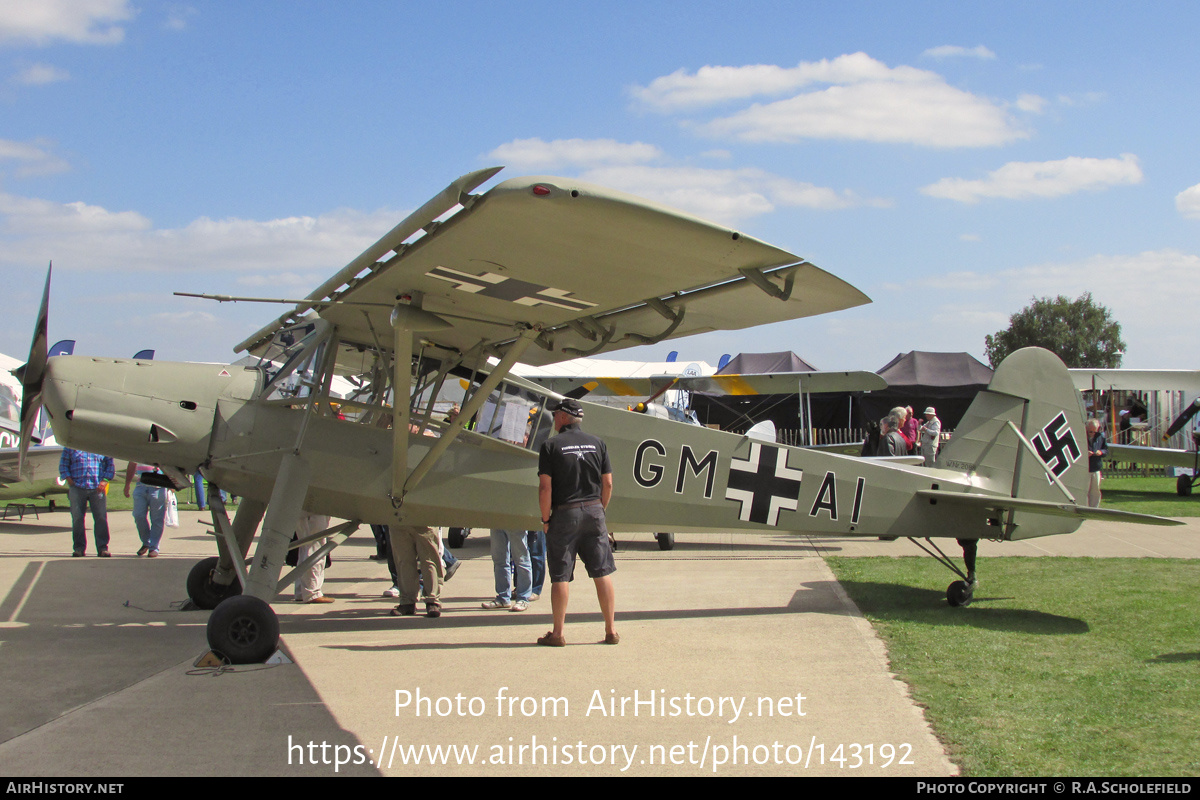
x,y
578,531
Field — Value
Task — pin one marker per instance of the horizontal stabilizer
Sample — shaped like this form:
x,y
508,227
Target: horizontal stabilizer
x,y
1051,508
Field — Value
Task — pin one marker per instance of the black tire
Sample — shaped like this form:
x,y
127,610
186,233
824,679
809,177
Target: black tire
x,y
666,541
244,630
458,536
203,591
959,594
1183,485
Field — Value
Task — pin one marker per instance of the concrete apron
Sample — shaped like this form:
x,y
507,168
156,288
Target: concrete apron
x,y
719,640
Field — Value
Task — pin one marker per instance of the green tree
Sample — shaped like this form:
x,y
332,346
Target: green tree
x,y
1081,332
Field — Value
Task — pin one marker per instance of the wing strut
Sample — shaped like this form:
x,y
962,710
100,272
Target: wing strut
x,y
471,407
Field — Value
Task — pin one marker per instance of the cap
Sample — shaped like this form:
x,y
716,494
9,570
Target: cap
x,y
569,406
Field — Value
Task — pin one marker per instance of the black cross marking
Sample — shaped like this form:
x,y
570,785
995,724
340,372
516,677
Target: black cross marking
x,y
1057,447
763,484
511,290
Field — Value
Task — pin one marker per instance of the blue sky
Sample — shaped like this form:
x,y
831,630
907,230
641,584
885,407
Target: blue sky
x,y
951,160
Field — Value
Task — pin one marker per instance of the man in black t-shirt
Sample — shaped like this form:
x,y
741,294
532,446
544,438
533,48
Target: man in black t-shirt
x,y
574,487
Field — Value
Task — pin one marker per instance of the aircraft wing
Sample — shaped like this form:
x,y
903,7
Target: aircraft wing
x,y
1163,456
41,463
1056,509
593,269
736,385
1187,380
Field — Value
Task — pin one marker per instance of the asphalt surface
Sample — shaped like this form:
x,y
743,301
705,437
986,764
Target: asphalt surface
x,y
740,655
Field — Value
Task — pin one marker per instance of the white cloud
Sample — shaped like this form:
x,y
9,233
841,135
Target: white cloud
x,y
956,51
722,195
931,114
82,236
1032,103
1023,179
710,85
178,17
539,154
33,158
79,21
864,99
40,75
1131,286
1187,202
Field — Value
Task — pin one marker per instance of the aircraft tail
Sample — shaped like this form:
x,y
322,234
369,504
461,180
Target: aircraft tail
x,y
1024,438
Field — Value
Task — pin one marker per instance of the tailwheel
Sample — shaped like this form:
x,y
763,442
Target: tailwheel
x,y
959,593
244,630
666,541
200,587
1183,485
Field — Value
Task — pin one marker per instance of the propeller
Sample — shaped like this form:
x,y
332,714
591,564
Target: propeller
x,y
32,374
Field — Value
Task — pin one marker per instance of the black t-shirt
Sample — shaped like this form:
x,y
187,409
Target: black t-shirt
x,y
575,462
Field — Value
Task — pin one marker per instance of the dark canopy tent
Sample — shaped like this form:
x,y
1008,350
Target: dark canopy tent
x,y
737,413
946,381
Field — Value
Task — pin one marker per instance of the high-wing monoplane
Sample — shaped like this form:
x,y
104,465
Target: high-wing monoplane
x,y
539,270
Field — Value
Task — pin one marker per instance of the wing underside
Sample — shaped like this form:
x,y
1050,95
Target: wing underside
x,y
591,269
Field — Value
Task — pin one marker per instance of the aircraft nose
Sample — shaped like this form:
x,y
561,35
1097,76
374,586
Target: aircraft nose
x,y
59,390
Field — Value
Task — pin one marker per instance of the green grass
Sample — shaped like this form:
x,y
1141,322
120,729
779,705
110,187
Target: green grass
x,y
117,501
1148,496
1061,666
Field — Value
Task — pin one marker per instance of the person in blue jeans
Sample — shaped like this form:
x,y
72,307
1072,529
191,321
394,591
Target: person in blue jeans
x,y
87,476
149,508
512,592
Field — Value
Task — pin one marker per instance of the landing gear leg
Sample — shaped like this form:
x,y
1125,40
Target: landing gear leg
x,y
245,624
958,593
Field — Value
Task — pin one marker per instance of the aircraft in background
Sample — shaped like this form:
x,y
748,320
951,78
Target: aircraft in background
x,y
538,270
40,477
1166,380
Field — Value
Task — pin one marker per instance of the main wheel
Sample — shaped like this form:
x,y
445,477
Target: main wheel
x,y
666,541
959,593
1183,485
203,591
457,536
244,629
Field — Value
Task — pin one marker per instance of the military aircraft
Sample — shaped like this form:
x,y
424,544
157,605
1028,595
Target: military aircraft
x,y
537,269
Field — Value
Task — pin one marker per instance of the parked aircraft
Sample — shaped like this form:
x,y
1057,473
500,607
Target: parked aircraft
x,y
540,270
1185,380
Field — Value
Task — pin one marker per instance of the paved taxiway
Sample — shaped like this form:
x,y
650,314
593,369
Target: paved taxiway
x,y
96,665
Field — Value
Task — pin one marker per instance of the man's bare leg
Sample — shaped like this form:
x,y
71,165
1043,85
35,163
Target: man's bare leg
x,y
606,593
560,593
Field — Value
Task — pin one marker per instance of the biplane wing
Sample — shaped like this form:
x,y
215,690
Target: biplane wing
x,y
590,269
734,385
1146,380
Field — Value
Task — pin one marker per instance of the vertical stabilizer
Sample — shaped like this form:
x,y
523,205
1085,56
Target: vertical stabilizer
x,y
1024,437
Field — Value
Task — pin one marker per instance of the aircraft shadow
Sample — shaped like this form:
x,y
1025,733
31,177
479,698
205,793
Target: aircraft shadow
x,y
28,528
504,621
1173,658
929,607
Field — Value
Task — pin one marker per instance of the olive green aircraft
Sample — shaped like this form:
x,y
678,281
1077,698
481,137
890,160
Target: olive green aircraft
x,y
537,270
